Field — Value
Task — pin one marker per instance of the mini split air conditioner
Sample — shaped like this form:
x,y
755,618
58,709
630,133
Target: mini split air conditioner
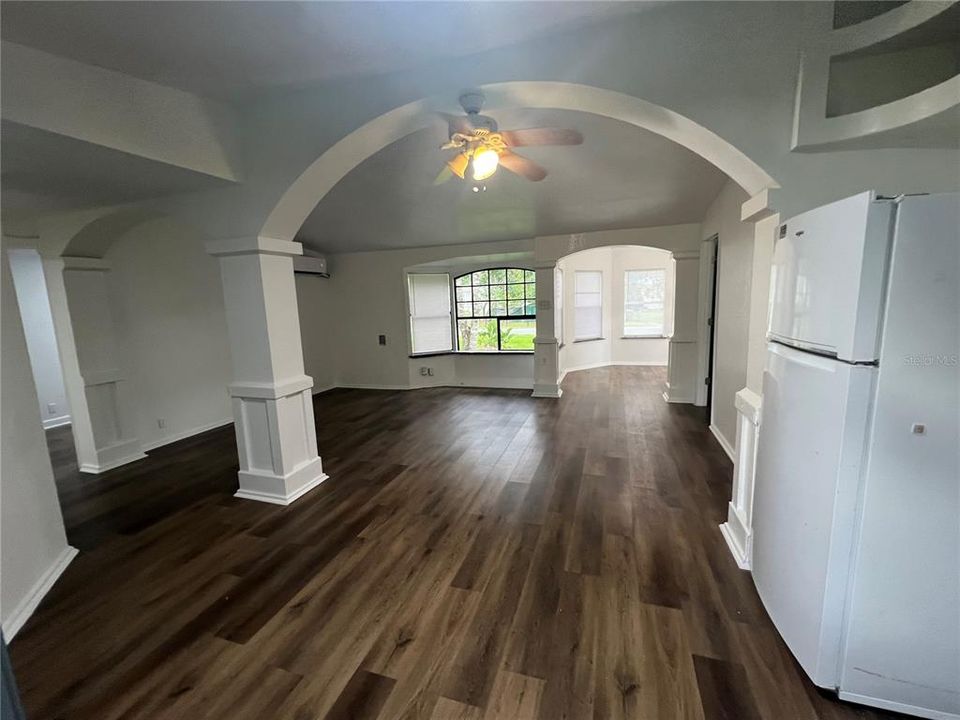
x,y
310,265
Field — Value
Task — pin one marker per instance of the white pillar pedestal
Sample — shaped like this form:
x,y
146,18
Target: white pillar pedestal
x,y
546,349
272,400
93,377
682,364
738,530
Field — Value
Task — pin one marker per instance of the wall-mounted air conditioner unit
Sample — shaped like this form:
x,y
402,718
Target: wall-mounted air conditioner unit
x,y
310,265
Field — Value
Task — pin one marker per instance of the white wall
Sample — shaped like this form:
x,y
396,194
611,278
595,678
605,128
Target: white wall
x,y
171,329
366,296
613,348
33,543
31,288
732,315
316,304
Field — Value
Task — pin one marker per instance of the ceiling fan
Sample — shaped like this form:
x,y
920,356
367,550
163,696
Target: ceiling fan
x,y
483,147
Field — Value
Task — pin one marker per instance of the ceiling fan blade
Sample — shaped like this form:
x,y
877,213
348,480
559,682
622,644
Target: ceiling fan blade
x,y
522,166
445,174
458,165
458,123
541,136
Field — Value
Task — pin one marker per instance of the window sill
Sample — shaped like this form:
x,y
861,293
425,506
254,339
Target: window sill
x,y
471,352
644,337
582,340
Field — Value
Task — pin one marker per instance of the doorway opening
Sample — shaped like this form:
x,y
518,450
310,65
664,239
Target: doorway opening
x,y
714,259
30,287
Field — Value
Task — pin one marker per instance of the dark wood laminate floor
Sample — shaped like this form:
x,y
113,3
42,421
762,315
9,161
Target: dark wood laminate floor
x,y
475,555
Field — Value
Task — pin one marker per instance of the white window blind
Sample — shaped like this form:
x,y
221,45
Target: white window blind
x,y
430,324
588,305
644,302
558,305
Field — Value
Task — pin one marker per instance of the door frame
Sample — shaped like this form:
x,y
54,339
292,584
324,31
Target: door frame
x,y
706,321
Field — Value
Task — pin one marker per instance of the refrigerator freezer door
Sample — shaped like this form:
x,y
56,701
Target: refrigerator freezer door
x,y
811,445
903,641
827,278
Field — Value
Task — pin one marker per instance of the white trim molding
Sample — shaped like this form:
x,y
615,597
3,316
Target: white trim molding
x,y
26,607
55,422
738,530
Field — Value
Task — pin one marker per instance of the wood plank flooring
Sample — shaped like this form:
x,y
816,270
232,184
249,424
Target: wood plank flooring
x,y
475,554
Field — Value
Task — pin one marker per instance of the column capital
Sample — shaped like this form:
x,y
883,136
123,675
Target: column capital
x,y
255,245
545,264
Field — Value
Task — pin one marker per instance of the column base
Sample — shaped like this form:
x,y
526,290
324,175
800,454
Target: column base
x,y
739,538
113,456
547,391
264,486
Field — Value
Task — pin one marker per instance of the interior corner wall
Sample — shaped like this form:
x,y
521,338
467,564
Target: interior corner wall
x,y
31,289
172,331
33,542
732,312
316,297
613,349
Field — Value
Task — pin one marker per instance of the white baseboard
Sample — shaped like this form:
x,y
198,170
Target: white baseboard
x,y
176,437
724,443
325,388
275,499
740,555
372,386
548,391
97,469
26,607
56,422
898,707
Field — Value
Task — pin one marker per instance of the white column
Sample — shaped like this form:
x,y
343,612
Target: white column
x,y
738,529
683,357
93,371
546,352
272,402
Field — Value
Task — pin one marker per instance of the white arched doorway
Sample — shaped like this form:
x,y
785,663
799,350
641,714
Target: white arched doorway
x,y
296,203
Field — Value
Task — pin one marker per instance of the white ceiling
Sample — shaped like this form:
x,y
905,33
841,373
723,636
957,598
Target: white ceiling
x,y
621,177
46,171
233,49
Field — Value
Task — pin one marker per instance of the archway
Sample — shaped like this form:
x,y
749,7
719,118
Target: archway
x,y
290,212
99,374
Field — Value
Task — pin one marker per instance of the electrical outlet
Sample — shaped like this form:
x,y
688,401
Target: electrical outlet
x,y
430,371
382,339
424,371
51,408
161,423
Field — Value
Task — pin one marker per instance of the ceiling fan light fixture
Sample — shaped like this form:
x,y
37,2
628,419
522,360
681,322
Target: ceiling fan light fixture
x,y
485,162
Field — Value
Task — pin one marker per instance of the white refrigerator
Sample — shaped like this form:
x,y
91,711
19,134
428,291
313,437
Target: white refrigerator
x,y
856,546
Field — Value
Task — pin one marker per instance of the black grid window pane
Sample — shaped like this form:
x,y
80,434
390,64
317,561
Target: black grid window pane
x,y
496,310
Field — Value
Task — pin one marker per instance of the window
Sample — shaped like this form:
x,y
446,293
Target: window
x,y
644,293
558,305
430,312
588,305
496,310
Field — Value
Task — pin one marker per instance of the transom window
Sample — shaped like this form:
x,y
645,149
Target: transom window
x,y
496,310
